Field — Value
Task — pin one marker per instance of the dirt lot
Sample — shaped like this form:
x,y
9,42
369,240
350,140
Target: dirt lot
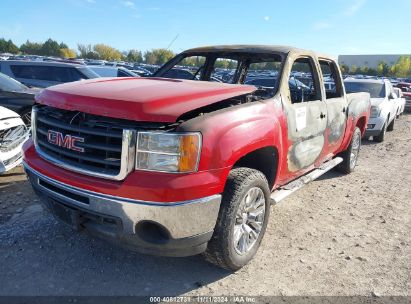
x,y
341,235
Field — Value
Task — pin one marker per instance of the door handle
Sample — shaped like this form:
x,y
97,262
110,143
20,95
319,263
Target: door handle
x,y
322,115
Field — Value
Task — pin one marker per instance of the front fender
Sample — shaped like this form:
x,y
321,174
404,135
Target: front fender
x,y
230,133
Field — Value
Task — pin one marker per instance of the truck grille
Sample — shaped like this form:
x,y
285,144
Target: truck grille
x,y
11,138
107,148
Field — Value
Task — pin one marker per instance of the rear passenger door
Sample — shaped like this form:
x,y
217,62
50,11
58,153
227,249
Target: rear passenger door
x,y
336,106
306,115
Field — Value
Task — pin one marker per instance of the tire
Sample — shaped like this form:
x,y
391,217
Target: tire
x,y
350,156
381,136
231,234
26,117
391,125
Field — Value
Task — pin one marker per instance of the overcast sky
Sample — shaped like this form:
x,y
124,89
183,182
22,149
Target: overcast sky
x,y
333,26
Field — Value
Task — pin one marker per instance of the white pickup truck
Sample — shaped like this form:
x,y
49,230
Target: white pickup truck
x,y
384,105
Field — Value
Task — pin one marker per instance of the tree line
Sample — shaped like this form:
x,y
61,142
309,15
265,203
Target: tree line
x,y
86,51
402,69
98,51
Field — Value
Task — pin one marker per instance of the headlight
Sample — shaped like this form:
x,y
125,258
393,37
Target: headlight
x,y
375,111
168,152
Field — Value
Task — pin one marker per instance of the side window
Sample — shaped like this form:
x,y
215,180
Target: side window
x,y
39,72
76,75
303,83
121,73
23,71
60,74
332,81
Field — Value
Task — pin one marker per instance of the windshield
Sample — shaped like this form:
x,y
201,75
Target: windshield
x,y
376,90
229,67
9,84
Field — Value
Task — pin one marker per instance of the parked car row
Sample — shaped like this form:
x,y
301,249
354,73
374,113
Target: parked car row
x,y
386,105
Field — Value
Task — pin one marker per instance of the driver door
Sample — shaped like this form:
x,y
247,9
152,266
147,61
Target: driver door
x,y
306,116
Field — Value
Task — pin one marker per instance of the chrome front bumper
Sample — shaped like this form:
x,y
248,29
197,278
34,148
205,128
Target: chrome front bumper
x,y
180,221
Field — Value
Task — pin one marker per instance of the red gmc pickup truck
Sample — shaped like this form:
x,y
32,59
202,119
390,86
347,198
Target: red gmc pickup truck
x,y
180,167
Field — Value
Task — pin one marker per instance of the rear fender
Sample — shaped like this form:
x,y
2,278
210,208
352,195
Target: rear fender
x,y
358,113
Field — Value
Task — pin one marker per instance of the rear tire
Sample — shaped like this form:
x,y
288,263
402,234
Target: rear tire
x,y
242,220
350,156
381,136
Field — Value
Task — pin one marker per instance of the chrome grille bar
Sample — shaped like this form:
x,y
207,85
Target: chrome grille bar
x,y
101,159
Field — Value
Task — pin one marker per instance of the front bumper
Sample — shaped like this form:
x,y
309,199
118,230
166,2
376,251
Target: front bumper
x,y
171,229
14,157
374,126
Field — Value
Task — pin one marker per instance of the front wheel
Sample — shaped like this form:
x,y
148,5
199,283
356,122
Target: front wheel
x,y
242,219
380,137
350,156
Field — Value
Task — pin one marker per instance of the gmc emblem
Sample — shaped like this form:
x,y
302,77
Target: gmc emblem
x,y
67,141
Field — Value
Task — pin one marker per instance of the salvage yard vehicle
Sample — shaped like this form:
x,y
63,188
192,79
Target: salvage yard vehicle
x,y
107,71
182,167
406,91
400,101
384,107
17,97
42,74
13,134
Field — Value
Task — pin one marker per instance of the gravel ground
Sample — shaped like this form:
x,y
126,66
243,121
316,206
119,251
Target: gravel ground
x,y
340,235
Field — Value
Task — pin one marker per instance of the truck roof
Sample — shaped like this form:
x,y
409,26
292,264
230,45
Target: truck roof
x,y
254,48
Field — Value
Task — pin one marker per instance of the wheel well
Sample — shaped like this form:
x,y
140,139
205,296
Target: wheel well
x,y
361,124
263,160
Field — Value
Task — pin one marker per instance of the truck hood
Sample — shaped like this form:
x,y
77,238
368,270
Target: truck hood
x,y
139,99
375,102
9,119
6,113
